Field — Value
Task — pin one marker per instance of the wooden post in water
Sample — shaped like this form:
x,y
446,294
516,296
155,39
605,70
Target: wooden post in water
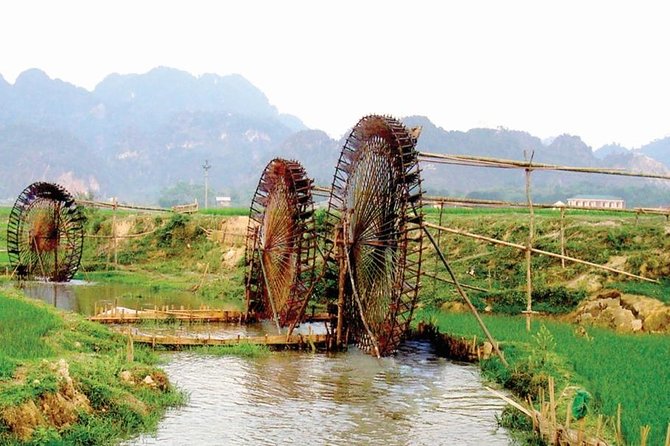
x,y
439,236
341,280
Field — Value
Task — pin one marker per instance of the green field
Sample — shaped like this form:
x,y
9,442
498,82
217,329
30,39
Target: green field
x,y
176,252
41,350
631,370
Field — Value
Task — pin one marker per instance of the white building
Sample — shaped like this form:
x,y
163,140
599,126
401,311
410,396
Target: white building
x,y
597,201
223,202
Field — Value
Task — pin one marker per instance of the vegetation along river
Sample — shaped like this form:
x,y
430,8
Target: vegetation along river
x,y
413,398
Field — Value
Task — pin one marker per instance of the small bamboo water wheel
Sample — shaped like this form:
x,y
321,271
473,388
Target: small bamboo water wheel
x,y
45,234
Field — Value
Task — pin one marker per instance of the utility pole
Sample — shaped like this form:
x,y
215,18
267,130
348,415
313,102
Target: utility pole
x,y
206,168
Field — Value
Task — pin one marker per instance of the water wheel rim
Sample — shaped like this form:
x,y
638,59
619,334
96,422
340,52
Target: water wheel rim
x,y
376,197
45,233
281,243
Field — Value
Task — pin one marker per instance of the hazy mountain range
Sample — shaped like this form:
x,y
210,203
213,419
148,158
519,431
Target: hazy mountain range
x,y
145,137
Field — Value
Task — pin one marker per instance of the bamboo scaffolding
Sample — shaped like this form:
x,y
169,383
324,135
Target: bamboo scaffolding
x,y
537,251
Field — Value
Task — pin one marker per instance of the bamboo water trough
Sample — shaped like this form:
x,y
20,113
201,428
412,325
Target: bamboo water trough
x,y
296,341
122,315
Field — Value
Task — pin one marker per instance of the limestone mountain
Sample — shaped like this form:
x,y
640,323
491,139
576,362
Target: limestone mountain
x,y
136,136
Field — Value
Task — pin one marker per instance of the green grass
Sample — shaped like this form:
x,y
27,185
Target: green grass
x,y
242,350
35,338
659,291
24,329
226,212
615,368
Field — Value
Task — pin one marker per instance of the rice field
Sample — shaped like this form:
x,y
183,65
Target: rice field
x,y
626,369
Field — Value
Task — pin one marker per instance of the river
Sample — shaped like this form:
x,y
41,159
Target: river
x,y
413,398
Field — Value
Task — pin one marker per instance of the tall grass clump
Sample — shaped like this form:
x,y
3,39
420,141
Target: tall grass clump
x,y
23,329
47,357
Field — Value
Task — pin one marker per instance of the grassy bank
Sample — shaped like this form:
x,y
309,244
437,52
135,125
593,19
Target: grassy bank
x,y
64,380
631,370
203,252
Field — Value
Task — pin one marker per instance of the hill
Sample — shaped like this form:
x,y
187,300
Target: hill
x,y
138,136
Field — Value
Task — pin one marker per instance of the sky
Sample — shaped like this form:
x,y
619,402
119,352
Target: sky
x,y
596,69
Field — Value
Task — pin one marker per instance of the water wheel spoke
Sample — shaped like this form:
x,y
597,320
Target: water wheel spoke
x,y
370,196
45,234
284,239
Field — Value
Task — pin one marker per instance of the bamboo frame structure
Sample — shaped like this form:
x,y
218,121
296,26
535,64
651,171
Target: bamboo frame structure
x,y
481,161
529,166
537,251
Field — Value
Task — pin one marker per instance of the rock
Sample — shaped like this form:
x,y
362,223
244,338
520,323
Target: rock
x,y
621,318
658,321
149,381
454,306
126,376
641,305
486,350
588,282
636,325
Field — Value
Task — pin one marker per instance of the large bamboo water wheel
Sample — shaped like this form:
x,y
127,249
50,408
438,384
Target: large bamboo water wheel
x,y
45,234
281,244
375,213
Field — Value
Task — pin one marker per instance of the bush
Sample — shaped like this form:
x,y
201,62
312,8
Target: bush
x,y
553,300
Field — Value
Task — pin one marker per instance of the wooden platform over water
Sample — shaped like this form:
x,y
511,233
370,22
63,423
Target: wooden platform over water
x,y
123,315
297,341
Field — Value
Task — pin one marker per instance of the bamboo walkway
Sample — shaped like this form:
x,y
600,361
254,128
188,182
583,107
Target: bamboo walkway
x,y
298,341
123,315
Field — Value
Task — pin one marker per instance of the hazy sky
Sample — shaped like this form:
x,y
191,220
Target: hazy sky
x,y
597,69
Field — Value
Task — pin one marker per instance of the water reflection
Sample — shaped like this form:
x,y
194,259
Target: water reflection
x,y
83,297
414,398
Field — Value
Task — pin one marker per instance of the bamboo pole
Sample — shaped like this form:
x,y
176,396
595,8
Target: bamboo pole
x,y
439,235
515,164
101,204
537,251
116,254
513,204
270,297
563,238
465,297
340,285
529,247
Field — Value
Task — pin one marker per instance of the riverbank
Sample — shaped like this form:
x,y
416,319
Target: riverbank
x,y
64,380
612,368
204,255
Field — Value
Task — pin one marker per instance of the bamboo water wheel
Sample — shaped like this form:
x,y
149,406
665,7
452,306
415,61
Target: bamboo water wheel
x,y
375,213
45,234
280,244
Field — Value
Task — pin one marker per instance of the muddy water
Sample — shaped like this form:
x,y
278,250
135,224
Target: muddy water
x,y
349,398
414,398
